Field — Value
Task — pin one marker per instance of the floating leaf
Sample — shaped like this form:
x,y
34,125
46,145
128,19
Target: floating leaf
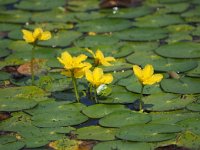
x,y
128,117
194,107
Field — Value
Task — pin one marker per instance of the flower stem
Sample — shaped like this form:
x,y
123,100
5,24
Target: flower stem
x,y
140,98
75,88
95,95
32,64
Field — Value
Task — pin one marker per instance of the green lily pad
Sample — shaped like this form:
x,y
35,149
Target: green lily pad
x,y
119,95
171,1
4,47
174,8
148,132
92,41
130,13
132,84
191,124
8,27
56,15
103,25
137,34
122,145
128,117
2,2
189,140
157,20
166,102
83,16
196,32
180,50
180,28
61,39
15,104
58,119
17,145
178,37
194,107
14,16
171,117
79,5
184,85
101,110
39,5
160,63
192,12
95,133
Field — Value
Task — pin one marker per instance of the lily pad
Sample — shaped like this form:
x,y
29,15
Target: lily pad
x,y
8,27
132,84
137,34
122,145
131,13
103,25
2,2
61,39
148,132
17,145
157,20
194,107
79,5
128,117
160,63
92,41
95,133
184,85
101,110
180,50
39,5
166,102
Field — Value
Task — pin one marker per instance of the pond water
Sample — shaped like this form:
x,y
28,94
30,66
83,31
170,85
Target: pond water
x,y
163,33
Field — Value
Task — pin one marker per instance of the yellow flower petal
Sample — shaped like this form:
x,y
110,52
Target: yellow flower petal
x,y
66,73
91,52
153,79
110,59
89,76
28,36
37,33
45,36
99,55
147,71
137,71
66,60
107,78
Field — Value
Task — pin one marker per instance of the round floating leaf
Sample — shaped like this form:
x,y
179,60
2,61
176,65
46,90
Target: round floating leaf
x,y
15,104
178,37
101,110
4,47
95,133
194,107
161,64
184,85
103,25
4,139
166,102
4,75
180,50
8,27
130,13
148,132
61,39
192,12
174,8
92,41
58,119
122,145
2,2
14,16
39,5
117,66
17,145
191,124
137,34
171,117
128,117
120,95
196,32
132,84
157,20
80,5
83,16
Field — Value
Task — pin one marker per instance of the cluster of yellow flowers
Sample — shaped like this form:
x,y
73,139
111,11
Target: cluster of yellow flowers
x,y
75,67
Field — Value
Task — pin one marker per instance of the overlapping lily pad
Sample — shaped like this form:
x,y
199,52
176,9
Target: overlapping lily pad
x,y
103,25
128,117
137,34
184,85
148,132
96,133
180,50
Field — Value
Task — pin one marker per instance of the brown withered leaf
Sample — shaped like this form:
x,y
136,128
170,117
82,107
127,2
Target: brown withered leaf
x,y
39,66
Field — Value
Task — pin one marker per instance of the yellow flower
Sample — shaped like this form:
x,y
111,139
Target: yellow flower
x,y
74,65
100,59
97,77
37,34
146,76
